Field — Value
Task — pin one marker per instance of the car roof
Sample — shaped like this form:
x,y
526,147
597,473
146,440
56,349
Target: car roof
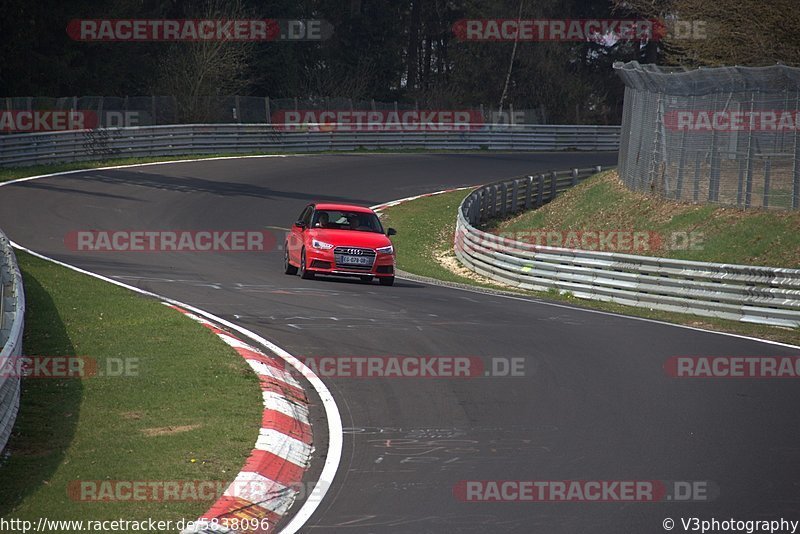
x,y
341,207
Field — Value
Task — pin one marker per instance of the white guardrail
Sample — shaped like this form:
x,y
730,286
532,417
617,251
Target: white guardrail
x,y
188,139
12,319
744,293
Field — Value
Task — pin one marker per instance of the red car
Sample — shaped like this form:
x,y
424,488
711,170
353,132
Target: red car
x,y
340,239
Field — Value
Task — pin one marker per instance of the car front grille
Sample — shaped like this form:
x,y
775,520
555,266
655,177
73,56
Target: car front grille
x,y
340,252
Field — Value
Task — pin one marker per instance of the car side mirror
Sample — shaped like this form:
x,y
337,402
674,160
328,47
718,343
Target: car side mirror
x,y
300,224
391,231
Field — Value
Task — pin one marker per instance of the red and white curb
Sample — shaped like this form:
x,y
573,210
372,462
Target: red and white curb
x,y
269,482
381,207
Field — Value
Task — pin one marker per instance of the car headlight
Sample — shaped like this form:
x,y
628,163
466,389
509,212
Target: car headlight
x,y
321,245
386,250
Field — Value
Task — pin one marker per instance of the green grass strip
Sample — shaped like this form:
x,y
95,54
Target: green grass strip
x,y
190,411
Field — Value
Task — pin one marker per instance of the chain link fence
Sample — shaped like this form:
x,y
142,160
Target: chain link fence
x,y
169,110
724,135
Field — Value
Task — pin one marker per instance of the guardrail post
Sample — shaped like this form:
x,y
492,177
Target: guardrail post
x,y
492,202
474,212
503,200
540,191
514,196
574,177
528,192
553,183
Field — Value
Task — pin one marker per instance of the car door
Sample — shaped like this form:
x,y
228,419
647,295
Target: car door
x,y
294,241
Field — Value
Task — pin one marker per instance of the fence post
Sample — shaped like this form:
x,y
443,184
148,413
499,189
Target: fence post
x,y
713,189
796,165
681,164
713,181
740,183
748,195
767,169
266,110
697,164
748,192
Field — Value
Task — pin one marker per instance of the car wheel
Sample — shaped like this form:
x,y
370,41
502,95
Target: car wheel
x,y
366,279
288,268
304,273
387,280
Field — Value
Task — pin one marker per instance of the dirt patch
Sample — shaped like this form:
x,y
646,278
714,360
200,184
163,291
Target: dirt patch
x,y
448,260
168,430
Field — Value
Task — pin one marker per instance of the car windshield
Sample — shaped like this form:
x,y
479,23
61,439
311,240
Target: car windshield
x,y
347,220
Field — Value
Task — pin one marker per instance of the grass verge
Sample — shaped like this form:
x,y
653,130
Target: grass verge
x,y
723,234
188,410
424,243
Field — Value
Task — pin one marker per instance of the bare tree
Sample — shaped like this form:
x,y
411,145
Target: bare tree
x,y
198,73
730,32
330,82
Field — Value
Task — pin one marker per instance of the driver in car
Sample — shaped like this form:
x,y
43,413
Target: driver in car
x,y
323,220
353,221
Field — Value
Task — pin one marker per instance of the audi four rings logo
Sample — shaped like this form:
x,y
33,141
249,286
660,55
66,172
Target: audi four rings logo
x,y
354,251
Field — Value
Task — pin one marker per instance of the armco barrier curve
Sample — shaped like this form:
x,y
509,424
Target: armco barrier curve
x,y
193,139
743,293
12,321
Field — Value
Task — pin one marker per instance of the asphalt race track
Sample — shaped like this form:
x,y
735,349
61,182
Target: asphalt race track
x,y
594,404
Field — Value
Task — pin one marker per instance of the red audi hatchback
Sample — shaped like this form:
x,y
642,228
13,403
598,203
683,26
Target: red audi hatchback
x,y
340,239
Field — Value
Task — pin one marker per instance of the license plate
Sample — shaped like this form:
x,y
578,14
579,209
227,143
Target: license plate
x,y
355,260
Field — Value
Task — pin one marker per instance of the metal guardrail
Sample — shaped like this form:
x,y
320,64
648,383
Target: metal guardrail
x,y
146,141
12,319
743,293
